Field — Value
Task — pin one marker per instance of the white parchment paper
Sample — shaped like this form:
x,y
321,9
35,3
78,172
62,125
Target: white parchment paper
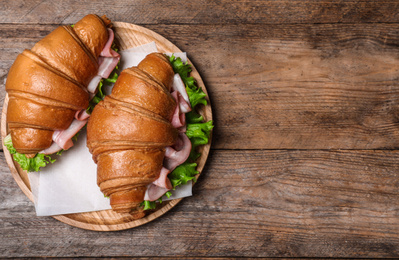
x,y
70,184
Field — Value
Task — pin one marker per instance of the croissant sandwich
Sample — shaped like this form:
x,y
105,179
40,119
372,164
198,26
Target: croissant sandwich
x,y
50,86
137,134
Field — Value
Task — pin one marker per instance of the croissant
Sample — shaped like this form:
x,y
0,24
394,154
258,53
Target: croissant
x,y
128,131
47,85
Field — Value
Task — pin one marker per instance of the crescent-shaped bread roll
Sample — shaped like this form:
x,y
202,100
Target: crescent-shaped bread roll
x,y
128,131
48,84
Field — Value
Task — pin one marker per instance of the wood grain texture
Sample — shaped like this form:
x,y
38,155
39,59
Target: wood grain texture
x,y
248,203
291,83
202,12
285,86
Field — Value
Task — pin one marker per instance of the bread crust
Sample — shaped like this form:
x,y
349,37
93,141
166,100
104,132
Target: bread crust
x,y
128,131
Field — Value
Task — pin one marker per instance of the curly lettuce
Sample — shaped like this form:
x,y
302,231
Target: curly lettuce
x,y
28,164
199,134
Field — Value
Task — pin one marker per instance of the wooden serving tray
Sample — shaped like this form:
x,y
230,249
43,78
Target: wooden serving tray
x,y
128,36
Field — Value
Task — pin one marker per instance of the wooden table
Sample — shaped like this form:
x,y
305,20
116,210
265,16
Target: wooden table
x,y
304,160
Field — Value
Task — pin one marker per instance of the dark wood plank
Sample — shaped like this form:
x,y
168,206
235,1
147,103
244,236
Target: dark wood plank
x,y
246,203
302,87
283,86
202,12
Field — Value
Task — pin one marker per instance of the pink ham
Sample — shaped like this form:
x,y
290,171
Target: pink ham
x,y
178,119
92,87
64,137
54,147
107,62
163,180
184,101
108,58
179,116
82,115
154,192
107,50
183,104
173,157
107,65
178,85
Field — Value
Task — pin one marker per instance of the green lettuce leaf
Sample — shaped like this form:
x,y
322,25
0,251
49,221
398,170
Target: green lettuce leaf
x,y
149,204
28,164
182,174
8,144
113,76
193,117
196,96
199,134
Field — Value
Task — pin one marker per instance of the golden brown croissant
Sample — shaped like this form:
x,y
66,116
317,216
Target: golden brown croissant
x,y
128,131
48,84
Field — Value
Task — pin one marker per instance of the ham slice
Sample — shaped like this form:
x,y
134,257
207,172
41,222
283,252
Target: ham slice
x,y
82,115
173,157
54,147
154,192
108,58
92,87
64,137
179,116
183,101
107,65
107,50
107,62
179,86
178,119
163,180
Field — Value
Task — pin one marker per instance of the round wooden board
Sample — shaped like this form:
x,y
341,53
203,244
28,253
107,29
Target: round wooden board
x,y
128,36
